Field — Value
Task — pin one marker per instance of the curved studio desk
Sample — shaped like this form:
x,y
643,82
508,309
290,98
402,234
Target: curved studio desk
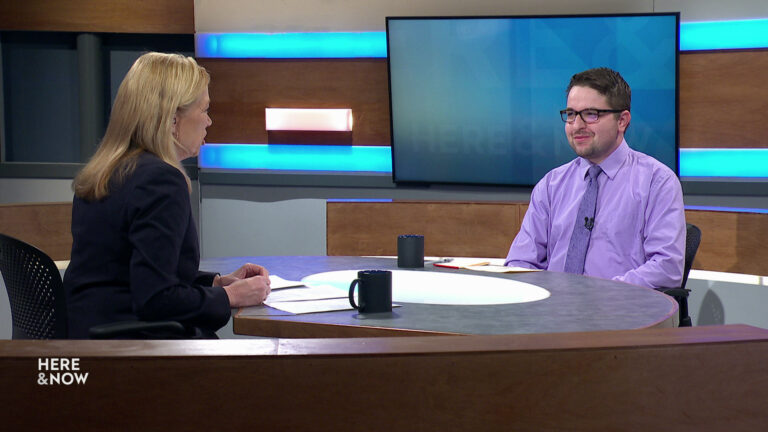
x,y
576,303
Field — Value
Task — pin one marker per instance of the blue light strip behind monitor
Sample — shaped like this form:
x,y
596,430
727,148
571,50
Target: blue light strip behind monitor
x,y
296,157
291,45
714,35
749,163
728,209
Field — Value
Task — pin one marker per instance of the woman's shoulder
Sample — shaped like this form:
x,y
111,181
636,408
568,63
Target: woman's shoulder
x,y
151,162
151,168
154,181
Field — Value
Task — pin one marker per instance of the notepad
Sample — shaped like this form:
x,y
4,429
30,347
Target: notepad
x,y
313,306
459,263
297,298
481,264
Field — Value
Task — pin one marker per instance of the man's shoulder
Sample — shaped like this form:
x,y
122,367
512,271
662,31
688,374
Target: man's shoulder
x,y
563,172
557,181
650,164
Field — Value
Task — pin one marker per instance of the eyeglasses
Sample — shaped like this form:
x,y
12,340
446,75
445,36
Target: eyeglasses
x,y
589,115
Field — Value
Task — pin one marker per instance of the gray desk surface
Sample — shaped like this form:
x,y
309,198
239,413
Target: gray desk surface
x,y
577,303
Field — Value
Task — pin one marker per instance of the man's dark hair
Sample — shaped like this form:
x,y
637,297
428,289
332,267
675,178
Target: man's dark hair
x,y
608,83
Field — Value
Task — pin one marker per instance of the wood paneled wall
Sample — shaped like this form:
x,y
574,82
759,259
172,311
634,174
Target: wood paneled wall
x,y
449,228
722,96
731,242
113,16
242,88
47,226
710,378
723,99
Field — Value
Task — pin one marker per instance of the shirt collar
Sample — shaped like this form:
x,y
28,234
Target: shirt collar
x,y
615,160
611,164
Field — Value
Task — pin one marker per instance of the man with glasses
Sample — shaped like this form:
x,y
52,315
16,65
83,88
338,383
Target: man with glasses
x,y
612,212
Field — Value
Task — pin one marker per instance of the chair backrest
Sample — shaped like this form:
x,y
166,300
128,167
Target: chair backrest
x,y
35,291
692,240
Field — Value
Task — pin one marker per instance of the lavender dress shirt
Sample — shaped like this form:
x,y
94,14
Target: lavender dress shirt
x,y
639,231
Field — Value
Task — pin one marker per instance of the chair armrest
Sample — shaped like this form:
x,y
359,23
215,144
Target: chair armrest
x,y
138,330
675,292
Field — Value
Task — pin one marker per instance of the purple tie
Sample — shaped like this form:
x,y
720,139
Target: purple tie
x,y
582,229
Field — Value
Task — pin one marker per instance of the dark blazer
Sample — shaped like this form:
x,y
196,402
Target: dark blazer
x,y
135,255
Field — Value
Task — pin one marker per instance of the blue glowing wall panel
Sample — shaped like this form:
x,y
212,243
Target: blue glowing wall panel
x,y
749,163
292,45
476,100
715,35
296,157
740,34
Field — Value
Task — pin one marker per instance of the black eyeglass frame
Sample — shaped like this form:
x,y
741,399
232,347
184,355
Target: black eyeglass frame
x,y
600,112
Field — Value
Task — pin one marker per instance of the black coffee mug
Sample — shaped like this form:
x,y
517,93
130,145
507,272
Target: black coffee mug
x,y
374,292
410,251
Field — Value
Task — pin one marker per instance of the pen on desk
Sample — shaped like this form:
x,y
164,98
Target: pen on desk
x,y
443,260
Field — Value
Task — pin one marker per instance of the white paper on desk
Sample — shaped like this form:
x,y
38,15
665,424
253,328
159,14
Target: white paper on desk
x,y
276,282
501,269
310,306
461,262
468,263
303,293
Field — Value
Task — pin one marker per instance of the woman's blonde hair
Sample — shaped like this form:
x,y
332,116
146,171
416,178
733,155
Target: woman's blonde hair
x,y
156,86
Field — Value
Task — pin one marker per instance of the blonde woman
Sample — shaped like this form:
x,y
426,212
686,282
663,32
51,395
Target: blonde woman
x,y
135,252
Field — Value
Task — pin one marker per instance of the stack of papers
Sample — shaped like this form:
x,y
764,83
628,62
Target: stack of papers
x,y
295,297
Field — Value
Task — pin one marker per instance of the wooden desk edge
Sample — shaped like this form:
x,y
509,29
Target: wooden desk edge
x,y
422,345
286,328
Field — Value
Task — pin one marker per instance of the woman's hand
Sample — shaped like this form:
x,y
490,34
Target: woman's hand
x,y
244,272
246,286
248,292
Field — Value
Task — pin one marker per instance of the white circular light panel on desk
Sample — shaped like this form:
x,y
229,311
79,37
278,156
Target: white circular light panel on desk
x,y
442,288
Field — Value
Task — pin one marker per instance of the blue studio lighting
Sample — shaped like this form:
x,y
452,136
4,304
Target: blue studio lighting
x,y
714,35
711,35
296,157
728,209
750,163
366,200
292,45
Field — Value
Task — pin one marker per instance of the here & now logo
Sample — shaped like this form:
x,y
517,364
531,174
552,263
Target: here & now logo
x,y
60,371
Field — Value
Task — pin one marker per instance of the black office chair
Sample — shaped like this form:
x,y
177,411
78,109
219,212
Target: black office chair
x,y
692,240
36,295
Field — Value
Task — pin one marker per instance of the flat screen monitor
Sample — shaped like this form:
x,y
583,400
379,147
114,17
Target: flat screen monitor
x,y
476,100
